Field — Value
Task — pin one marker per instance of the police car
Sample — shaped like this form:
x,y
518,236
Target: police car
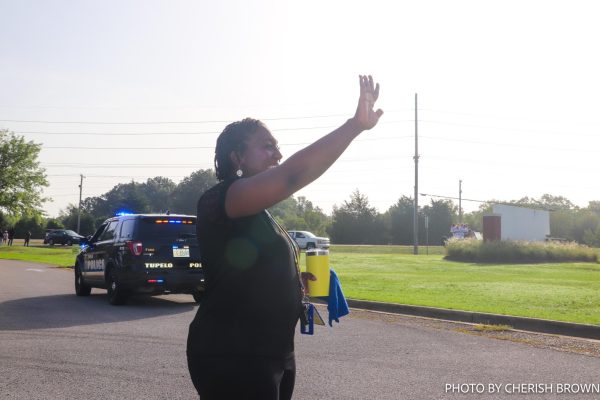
x,y
141,253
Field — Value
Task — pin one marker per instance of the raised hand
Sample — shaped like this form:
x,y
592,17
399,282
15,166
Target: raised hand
x,y
369,92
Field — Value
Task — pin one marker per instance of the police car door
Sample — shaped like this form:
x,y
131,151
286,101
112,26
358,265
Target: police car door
x,y
98,253
88,254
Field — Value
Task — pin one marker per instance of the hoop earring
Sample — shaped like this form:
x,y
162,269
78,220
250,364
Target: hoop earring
x,y
239,172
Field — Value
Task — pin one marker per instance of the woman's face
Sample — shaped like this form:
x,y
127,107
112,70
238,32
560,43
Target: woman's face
x,y
261,153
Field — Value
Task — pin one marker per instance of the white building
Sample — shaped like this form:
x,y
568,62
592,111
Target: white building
x,y
520,223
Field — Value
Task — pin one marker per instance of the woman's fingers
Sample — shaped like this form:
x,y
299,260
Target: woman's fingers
x,y
308,276
366,84
361,86
369,93
368,88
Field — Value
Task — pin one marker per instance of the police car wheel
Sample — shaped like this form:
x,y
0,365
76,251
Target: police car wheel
x,y
116,294
310,245
69,242
198,296
81,289
51,242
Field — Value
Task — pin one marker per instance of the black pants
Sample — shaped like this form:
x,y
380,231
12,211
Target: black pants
x,y
243,378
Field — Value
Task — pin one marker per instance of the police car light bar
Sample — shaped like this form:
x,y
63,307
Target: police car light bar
x,y
121,213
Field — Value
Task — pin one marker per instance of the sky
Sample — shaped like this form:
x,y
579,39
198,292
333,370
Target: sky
x,y
508,92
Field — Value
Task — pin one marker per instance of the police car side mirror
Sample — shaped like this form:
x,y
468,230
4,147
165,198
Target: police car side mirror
x,y
85,241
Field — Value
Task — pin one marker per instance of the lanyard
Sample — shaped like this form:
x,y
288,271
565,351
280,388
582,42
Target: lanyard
x,y
307,315
295,250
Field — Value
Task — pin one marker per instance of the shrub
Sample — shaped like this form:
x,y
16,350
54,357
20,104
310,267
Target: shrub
x,y
517,251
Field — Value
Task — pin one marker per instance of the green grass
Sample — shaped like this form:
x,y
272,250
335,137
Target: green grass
x,y
375,249
62,256
557,291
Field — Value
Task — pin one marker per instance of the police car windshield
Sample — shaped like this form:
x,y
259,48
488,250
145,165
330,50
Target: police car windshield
x,y
167,228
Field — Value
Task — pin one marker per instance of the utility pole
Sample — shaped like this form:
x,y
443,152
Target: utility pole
x,y
427,233
460,201
79,208
416,200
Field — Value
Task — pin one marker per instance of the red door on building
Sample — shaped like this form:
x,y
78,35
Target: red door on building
x,y
492,227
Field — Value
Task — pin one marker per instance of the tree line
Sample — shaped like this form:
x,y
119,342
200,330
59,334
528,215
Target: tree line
x,y
355,221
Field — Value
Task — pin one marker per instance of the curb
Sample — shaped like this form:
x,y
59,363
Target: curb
x,y
521,323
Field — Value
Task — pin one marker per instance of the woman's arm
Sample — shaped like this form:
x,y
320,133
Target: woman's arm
x,y
251,195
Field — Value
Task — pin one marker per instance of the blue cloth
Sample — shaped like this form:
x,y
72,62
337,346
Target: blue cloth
x,y
336,302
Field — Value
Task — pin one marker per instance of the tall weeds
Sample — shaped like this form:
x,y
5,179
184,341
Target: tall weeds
x,y
518,251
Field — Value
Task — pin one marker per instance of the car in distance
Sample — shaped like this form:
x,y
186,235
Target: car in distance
x,y
62,236
141,253
307,240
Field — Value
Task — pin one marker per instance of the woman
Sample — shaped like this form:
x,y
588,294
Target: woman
x,y
241,342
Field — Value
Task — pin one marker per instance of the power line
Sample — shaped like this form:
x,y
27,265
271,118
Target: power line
x,y
116,176
294,144
486,163
353,171
164,122
184,133
362,159
453,198
129,148
160,133
540,207
498,116
175,122
501,128
120,165
123,166
505,144
69,186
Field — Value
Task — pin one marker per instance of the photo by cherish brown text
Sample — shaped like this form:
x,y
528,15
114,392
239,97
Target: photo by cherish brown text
x,y
522,388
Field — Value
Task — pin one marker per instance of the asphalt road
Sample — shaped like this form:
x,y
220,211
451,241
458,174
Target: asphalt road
x,y
54,345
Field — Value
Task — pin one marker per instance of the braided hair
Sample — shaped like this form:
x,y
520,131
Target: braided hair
x,y
233,138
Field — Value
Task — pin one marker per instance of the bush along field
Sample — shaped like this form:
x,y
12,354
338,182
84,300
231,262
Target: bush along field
x,y
472,250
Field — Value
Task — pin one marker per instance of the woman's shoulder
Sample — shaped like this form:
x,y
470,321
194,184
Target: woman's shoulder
x,y
217,190
213,200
